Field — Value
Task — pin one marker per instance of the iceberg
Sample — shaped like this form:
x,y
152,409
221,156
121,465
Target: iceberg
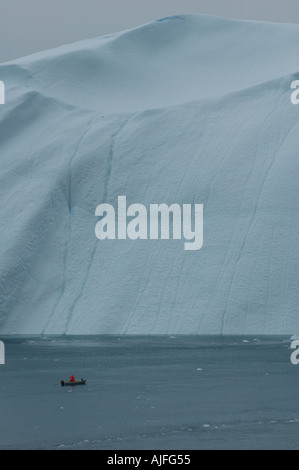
x,y
191,109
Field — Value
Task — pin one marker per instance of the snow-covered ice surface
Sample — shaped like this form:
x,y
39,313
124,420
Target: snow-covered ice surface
x,y
189,109
149,393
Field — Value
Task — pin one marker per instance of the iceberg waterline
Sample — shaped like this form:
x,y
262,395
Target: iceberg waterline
x,y
193,109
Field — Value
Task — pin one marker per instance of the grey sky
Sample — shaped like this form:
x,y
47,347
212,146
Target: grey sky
x,y
28,26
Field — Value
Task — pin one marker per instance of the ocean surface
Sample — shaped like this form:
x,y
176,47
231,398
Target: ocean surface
x,y
149,392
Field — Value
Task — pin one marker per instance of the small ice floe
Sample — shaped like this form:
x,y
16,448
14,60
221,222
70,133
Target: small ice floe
x,y
294,338
245,341
206,425
199,368
61,407
293,420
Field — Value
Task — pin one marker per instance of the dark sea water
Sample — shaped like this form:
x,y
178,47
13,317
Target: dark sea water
x,y
151,392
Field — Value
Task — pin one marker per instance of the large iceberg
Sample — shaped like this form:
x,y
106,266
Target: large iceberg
x,y
187,110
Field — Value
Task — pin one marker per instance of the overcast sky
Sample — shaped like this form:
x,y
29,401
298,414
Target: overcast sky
x,y
28,26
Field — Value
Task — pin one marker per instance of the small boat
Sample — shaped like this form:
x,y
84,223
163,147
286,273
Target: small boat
x,y
69,382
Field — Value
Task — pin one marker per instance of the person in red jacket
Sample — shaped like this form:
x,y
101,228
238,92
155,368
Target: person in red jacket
x,y
72,378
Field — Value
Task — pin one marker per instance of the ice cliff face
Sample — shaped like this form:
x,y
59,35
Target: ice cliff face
x,y
189,109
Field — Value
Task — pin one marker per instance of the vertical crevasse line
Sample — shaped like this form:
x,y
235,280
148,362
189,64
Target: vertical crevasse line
x,y
111,154
114,138
68,196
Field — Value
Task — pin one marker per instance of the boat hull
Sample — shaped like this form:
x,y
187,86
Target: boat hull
x,y
76,382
